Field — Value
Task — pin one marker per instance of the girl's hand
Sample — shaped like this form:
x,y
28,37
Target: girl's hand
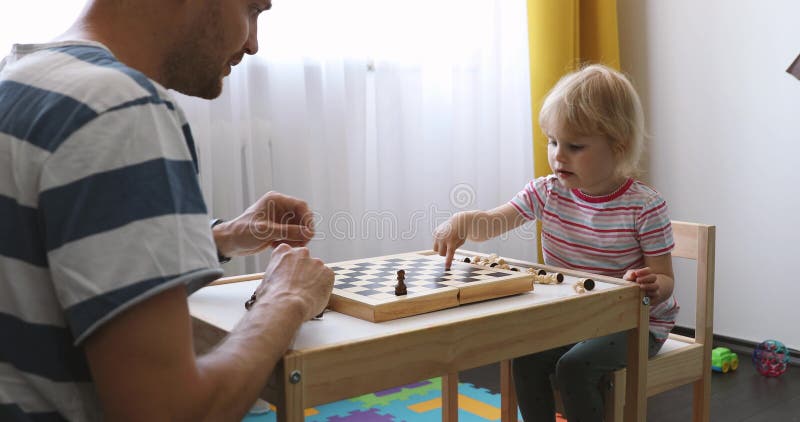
x,y
648,281
450,235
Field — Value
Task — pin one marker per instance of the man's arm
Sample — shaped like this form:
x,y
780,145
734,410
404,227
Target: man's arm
x,y
143,362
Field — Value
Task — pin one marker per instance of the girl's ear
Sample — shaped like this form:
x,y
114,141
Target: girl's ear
x,y
620,151
617,147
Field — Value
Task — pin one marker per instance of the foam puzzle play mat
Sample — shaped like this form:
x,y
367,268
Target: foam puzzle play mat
x,y
417,402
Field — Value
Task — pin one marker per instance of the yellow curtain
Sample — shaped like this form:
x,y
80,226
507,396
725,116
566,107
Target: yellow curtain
x,y
562,35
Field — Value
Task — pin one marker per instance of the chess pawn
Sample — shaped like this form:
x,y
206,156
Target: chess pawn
x,y
400,287
583,285
586,283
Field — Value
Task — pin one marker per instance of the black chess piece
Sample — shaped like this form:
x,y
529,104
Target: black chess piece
x,y
250,302
400,287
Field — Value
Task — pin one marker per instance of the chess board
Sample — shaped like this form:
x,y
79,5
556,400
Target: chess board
x,y
364,288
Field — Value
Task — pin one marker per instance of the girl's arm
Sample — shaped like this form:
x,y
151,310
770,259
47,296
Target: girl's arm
x,y
656,278
475,225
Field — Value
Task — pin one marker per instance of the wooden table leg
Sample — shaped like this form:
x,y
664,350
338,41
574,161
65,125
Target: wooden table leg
x,y
450,397
636,382
290,397
508,397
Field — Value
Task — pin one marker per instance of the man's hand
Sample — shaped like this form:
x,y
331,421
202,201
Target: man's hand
x,y
292,275
273,219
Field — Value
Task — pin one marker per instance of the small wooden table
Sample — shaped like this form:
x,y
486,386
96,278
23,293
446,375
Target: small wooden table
x,y
340,356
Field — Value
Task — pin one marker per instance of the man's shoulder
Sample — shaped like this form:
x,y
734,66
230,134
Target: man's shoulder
x,y
83,71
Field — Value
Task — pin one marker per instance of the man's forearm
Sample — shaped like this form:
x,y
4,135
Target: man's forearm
x,y
240,366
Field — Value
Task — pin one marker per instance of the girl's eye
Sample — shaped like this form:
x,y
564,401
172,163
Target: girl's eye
x,y
576,147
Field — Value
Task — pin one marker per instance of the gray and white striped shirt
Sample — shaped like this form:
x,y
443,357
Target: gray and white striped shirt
x,y
100,209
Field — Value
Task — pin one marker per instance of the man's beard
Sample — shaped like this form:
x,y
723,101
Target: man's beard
x,y
191,72
192,69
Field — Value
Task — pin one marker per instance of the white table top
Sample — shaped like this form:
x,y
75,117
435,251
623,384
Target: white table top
x,y
223,306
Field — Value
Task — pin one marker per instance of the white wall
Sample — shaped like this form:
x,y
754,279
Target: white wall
x,y
724,120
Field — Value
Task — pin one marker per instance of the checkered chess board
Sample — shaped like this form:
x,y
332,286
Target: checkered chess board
x,y
370,283
376,279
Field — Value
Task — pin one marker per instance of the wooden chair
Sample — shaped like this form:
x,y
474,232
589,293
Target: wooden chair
x,y
682,360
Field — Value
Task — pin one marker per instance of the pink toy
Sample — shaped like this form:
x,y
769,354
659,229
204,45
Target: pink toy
x,y
771,358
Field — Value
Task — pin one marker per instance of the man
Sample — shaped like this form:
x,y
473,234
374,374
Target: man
x,y
103,230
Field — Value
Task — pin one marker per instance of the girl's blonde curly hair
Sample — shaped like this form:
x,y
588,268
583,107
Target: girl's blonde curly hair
x,y
598,100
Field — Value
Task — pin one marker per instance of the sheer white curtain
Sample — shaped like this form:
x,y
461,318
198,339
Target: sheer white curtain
x,y
24,22
387,117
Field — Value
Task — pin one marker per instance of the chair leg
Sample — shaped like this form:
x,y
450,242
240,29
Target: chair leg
x,y
701,403
508,397
615,396
450,397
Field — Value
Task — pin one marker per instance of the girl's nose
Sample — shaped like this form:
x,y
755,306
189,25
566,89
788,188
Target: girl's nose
x,y
558,153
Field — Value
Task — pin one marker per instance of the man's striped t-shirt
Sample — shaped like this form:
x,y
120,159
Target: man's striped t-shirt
x,y
605,235
100,209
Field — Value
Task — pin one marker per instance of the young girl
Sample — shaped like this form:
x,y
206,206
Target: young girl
x,y
595,217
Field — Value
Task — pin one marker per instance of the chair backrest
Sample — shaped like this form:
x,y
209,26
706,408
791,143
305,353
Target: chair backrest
x,y
692,363
697,242
679,366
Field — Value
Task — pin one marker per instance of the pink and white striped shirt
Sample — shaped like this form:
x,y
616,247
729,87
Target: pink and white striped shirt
x,y
606,235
